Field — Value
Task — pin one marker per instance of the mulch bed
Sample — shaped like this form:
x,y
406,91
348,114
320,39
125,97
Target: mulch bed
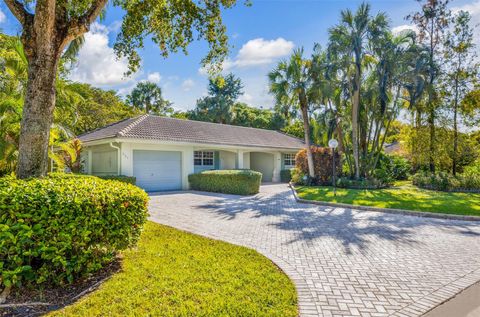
x,y
36,302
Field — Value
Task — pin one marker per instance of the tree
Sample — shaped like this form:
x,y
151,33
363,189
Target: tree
x,y
217,106
432,21
350,38
461,71
147,97
50,26
291,84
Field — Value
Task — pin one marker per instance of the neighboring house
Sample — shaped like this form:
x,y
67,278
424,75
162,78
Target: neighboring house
x,y
161,152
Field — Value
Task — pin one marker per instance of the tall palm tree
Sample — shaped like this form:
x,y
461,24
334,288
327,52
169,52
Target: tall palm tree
x,y
350,38
291,84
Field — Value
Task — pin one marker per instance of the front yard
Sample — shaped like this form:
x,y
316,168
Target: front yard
x,y
173,273
402,196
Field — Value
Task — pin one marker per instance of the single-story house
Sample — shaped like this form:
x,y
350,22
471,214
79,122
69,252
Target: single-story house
x,y
161,152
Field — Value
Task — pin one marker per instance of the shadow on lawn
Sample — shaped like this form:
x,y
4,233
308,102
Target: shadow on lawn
x,y
352,229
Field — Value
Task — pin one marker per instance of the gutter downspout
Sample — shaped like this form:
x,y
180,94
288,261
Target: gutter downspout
x,y
119,151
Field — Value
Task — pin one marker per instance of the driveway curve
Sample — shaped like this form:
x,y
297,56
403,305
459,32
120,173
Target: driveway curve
x,y
343,262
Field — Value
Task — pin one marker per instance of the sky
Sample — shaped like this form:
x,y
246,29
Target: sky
x,y
259,36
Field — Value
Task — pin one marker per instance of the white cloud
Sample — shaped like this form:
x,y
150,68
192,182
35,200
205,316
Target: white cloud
x,y
154,77
188,84
3,17
398,29
260,51
97,63
257,52
474,10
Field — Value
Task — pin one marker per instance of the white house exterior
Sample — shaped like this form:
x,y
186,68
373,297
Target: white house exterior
x,y
161,152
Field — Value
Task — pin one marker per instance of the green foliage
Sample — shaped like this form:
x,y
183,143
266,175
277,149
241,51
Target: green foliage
x,y
298,176
446,182
322,162
147,97
239,182
69,156
57,229
173,273
286,175
121,178
172,25
217,106
392,168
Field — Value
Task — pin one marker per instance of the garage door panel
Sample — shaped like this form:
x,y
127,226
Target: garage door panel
x,y
158,170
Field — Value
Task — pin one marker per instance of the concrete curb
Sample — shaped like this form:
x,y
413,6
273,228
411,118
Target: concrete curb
x,y
385,210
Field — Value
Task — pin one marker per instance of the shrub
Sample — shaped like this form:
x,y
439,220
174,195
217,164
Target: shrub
x,y
392,168
286,175
297,176
322,161
59,228
240,182
446,182
121,178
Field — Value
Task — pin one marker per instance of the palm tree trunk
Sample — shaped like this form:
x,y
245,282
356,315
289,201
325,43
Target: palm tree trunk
x,y
306,129
37,115
355,121
455,128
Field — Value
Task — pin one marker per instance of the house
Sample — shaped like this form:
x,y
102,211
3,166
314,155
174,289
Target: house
x,y
161,152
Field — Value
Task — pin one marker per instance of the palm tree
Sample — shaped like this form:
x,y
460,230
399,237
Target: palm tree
x,y
350,38
291,84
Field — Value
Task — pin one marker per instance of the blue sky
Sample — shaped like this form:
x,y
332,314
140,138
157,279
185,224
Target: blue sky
x,y
260,35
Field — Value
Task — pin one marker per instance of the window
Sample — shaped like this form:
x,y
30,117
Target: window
x,y
203,158
289,159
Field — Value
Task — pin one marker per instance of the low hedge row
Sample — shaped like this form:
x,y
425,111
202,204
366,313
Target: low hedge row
x,y
59,228
286,175
446,182
239,182
122,178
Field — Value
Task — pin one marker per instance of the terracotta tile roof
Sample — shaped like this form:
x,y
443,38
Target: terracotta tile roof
x,y
151,127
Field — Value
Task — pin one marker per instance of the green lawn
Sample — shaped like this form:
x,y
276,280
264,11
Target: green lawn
x,y
173,273
402,196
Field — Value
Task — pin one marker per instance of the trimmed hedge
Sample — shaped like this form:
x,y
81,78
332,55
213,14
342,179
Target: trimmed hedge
x,y
59,228
447,182
121,178
239,182
286,175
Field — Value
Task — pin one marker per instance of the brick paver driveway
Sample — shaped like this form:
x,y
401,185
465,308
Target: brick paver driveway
x,y
343,262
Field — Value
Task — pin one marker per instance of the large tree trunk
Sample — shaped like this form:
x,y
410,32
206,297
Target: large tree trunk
x,y
37,116
306,129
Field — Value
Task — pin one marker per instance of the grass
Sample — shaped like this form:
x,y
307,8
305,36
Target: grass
x,y
174,273
402,196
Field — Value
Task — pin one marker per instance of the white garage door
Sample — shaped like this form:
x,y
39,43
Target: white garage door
x,y
158,170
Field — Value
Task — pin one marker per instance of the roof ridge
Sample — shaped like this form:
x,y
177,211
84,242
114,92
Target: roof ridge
x,y
129,127
289,135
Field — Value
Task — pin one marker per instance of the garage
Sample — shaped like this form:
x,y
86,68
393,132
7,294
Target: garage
x,y
158,170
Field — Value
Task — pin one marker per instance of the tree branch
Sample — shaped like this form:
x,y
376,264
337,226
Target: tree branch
x,y
80,26
19,11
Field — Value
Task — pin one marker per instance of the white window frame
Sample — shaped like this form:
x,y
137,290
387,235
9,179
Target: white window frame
x,y
291,159
204,156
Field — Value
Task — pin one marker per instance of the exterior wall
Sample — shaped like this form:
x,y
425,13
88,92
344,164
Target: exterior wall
x,y
103,159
